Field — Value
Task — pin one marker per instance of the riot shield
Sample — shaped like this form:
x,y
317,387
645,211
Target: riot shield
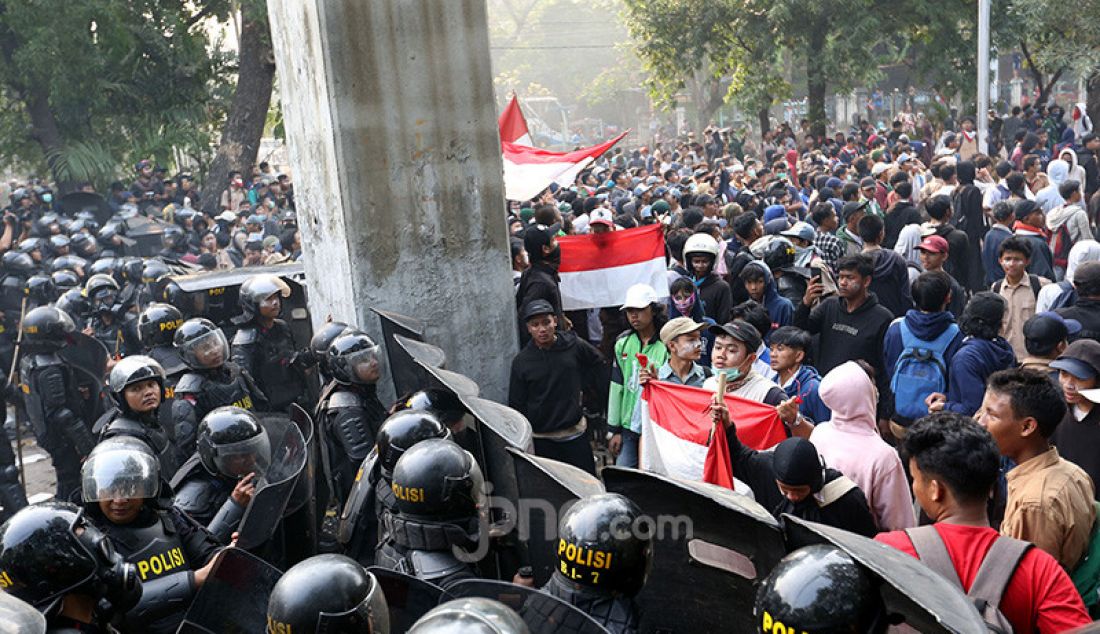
x,y
460,384
303,513
87,357
408,598
18,617
547,488
147,234
277,485
360,503
75,202
407,376
543,614
234,598
711,546
219,291
909,589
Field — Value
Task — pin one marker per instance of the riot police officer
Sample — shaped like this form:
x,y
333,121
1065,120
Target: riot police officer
x,y
440,507
120,484
137,384
213,380
819,588
471,614
264,344
350,413
318,349
50,396
88,582
39,290
157,324
604,556
73,303
216,484
113,326
327,593
372,498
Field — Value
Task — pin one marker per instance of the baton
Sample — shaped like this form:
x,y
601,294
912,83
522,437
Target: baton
x,y
11,380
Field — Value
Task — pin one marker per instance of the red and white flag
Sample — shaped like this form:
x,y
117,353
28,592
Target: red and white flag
x,y
676,427
513,125
529,170
596,269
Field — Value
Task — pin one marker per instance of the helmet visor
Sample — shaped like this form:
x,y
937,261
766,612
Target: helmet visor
x,y
364,366
122,474
211,350
241,458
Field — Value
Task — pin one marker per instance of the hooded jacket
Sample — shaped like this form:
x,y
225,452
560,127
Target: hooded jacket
x,y
850,442
890,281
1084,251
779,308
716,297
1076,172
973,363
1075,219
804,384
924,326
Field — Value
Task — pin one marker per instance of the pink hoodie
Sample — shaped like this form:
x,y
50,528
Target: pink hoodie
x,y
850,443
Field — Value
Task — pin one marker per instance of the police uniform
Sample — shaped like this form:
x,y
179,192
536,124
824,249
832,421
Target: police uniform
x,y
147,429
200,391
350,416
207,499
118,334
269,355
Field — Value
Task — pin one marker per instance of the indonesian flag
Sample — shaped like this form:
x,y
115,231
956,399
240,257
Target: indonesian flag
x,y
529,170
676,428
513,125
596,269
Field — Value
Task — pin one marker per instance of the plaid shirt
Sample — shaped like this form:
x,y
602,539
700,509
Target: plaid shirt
x,y
830,247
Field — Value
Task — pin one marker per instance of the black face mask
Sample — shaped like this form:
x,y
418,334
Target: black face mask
x,y
553,258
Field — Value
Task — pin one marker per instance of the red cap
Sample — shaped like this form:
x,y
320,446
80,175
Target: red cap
x,y
935,244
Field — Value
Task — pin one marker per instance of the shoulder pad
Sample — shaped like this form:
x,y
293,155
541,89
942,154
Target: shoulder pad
x,y
186,469
197,497
43,360
342,399
244,337
123,426
190,383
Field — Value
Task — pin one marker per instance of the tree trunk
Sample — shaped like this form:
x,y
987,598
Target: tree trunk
x,y
1092,98
816,82
763,117
1046,89
247,114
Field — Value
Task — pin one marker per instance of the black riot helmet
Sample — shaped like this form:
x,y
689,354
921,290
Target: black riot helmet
x,y
443,403
134,369
17,263
401,431
174,239
157,324
818,589
40,290
330,594
64,280
153,270
471,615
131,269
101,290
779,254
255,290
47,327
201,344
120,467
604,543
49,549
58,242
322,339
353,358
73,263
104,266
30,245
438,480
83,244
233,443
73,303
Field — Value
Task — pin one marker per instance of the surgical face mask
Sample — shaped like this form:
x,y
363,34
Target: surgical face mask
x,y
732,374
46,198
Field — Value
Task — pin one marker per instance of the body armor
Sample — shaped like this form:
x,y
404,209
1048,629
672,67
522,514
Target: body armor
x,y
349,426
425,549
206,498
52,405
270,356
619,614
198,393
150,432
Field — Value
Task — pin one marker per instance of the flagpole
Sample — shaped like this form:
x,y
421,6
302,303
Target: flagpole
x,y
719,399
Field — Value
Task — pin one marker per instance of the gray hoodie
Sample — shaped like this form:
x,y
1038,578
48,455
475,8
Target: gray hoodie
x,y
1074,217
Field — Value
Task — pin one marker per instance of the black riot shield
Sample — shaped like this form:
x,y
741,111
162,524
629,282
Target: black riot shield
x,y
76,202
543,614
87,357
147,234
547,488
407,597
705,538
460,384
234,598
303,513
18,617
215,293
277,486
407,376
360,503
909,589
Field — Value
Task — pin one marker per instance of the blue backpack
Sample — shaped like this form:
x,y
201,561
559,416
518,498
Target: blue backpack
x,y
920,370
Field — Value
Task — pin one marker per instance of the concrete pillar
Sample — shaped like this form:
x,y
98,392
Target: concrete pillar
x,y
392,135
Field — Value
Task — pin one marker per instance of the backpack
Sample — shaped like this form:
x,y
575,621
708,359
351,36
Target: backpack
x,y
993,576
920,370
1036,285
1060,244
1065,299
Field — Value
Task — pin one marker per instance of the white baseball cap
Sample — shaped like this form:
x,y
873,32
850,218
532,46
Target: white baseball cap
x,y
601,216
640,296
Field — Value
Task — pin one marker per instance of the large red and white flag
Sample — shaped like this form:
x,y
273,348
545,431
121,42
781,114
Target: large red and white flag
x,y
529,170
596,269
513,125
676,428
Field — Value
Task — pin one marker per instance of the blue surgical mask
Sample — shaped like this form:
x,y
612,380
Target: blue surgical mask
x,y
732,374
47,198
